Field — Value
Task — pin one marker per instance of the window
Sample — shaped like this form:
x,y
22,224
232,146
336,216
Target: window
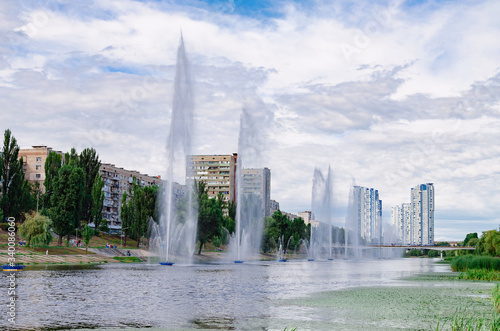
x,y
38,175
38,167
39,159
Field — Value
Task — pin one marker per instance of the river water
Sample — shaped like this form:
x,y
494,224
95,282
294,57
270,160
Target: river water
x,y
206,296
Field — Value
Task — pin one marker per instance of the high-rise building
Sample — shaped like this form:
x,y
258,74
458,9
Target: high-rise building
x,y
258,182
368,208
415,220
34,164
218,172
401,219
422,214
117,181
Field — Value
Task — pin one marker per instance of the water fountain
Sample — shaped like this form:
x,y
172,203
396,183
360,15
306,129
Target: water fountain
x,y
322,221
249,209
175,235
352,225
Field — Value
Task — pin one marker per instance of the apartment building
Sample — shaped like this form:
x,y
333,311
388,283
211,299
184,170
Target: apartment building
x,y
258,182
34,163
117,181
218,172
415,220
368,208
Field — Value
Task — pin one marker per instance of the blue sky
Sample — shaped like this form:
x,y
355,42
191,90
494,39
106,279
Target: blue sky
x,y
391,93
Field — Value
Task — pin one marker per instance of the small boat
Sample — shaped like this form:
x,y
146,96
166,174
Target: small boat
x,y
167,263
13,267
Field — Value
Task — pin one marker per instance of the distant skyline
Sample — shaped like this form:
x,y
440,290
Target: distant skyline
x,y
390,93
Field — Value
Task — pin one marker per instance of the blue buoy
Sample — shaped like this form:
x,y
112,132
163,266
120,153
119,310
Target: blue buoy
x,y
282,260
239,261
330,259
167,263
310,259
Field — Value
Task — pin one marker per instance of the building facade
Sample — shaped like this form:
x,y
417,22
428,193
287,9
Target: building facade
x,y
368,208
401,220
273,206
258,182
34,164
218,172
117,181
415,220
422,213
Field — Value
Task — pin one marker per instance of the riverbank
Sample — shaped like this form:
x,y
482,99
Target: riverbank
x,y
433,301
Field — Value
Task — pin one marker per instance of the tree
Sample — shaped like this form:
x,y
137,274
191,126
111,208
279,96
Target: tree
x,y
97,202
90,164
52,165
210,215
87,234
12,177
469,237
36,230
67,200
489,243
127,212
71,158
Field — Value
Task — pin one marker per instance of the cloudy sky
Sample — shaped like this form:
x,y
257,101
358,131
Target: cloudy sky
x,y
390,93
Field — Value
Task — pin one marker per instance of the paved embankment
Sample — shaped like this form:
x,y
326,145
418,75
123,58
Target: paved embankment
x,y
38,258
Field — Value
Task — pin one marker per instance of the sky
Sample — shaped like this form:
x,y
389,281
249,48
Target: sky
x,y
390,94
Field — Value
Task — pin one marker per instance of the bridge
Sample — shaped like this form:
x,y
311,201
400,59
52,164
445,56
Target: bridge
x,y
435,248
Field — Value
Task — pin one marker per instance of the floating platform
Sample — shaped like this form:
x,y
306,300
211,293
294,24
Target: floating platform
x,y
16,267
167,263
238,261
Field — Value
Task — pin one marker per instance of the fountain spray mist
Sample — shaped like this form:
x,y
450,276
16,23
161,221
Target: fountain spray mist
x,y
321,208
175,235
249,208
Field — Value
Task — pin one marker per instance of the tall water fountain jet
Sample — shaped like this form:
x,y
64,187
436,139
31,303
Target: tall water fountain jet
x,y
175,235
322,223
352,225
249,208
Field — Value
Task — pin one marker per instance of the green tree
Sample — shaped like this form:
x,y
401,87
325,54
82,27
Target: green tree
x,y
12,177
71,158
67,200
97,202
90,164
52,165
473,242
210,215
469,237
36,230
87,234
127,212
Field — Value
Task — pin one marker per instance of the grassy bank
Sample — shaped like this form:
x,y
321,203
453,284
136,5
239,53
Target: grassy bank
x,y
466,262
127,259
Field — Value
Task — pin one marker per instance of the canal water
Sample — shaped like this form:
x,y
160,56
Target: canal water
x,y
259,295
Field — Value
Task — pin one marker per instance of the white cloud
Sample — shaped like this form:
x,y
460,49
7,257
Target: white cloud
x,y
417,101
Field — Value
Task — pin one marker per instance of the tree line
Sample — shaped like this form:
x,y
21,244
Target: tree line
x,y
74,198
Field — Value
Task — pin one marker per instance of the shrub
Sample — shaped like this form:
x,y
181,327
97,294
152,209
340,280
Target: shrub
x,y
433,253
463,263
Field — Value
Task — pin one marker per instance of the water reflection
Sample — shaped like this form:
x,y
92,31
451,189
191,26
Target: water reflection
x,y
224,296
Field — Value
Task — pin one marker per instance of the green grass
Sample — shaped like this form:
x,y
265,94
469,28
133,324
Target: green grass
x,y
495,297
127,259
463,263
466,320
480,274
